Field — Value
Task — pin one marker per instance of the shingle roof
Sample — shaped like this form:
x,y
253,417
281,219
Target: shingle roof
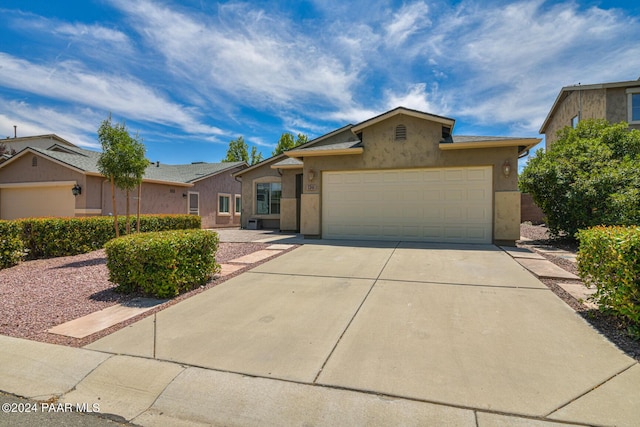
x,y
336,146
288,162
87,161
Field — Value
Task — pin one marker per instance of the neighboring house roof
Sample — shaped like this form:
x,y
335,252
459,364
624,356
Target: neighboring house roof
x,y
86,161
567,90
40,141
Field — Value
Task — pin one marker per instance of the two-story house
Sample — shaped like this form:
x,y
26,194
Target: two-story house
x,y
616,102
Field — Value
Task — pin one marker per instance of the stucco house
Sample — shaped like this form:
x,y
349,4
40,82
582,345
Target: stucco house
x,y
615,102
63,180
401,175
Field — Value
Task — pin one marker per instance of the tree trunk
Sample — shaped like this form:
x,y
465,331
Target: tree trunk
x,y
127,225
115,213
139,198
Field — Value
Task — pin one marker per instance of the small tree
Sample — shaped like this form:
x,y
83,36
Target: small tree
x,y
238,151
588,177
256,156
122,161
5,150
287,142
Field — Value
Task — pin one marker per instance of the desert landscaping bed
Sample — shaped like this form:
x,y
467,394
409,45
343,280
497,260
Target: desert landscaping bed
x,y
608,326
37,295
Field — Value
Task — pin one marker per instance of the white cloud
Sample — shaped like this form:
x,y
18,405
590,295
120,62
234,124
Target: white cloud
x,y
71,82
416,98
93,32
512,60
410,19
251,56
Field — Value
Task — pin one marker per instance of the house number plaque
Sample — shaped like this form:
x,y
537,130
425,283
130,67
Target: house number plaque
x,y
312,187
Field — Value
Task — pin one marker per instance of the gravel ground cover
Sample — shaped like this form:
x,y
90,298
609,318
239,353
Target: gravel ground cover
x,y
608,326
37,295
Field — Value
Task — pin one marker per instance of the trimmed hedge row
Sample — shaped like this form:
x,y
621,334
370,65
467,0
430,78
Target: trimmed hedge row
x,y
11,246
55,237
162,264
609,258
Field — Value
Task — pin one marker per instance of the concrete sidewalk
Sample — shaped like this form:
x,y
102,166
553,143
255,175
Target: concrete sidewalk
x,y
347,333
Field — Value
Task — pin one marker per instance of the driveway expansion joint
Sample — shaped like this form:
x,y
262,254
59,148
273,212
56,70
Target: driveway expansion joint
x,y
592,389
355,313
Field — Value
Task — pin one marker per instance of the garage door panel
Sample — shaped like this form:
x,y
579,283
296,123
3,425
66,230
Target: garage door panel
x,y
447,204
26,202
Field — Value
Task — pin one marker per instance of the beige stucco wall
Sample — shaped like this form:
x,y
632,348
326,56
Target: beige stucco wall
x,y
420,150
263,173
590,104
20,170
609,104
506,216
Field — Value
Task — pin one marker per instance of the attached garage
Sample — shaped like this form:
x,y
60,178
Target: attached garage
x,y
432,204
36,200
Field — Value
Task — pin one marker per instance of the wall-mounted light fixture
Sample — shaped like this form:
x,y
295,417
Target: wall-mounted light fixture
x,y
312,174
506,168
76,190
184,195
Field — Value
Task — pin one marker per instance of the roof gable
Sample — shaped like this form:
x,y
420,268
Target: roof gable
x,y
567,90
406,111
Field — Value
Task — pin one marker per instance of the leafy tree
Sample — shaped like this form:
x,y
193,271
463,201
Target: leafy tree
x,y
5,150
287,142
238,151
590,176
122,161
256,156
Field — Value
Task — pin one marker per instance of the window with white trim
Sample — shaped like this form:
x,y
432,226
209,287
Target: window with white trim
x,y
194,203
238,207
574,122
633,105
268,196
224,201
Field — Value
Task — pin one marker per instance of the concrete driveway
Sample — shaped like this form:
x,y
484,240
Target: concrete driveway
x,y
451,334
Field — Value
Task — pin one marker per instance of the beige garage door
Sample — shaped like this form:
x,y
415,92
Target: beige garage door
x,y
36,201
438,205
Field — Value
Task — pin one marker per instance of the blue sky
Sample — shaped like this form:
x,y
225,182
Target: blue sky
x,y
191,75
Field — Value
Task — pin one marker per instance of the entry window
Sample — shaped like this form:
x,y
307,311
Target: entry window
x,y
223,204
238,204
268,198
633,102
194,204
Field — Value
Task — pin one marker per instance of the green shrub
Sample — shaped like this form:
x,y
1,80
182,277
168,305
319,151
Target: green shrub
x,y
609,258
55,237
163,264
588,177
12,249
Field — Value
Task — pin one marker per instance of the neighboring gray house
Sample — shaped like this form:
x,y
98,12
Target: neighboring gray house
x,y
38,181
615,102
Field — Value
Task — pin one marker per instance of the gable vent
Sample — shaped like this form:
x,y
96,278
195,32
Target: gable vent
x,y
34,161
401,133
